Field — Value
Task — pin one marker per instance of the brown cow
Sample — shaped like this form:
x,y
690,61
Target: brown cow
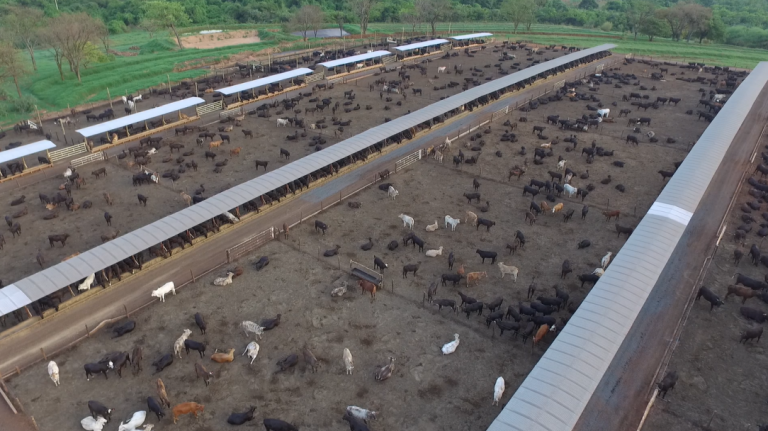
x,y
744,292
186,408
475,276
609,214
214,144
162,394
369,287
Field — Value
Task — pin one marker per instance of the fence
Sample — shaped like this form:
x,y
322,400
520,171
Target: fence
x,y
314,77
90,158
407,161
250,244
231,113
211,107
68,152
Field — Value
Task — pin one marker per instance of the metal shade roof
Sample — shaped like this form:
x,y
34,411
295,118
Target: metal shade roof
x,y
25,150
355,58
265,81
57,276
421,44
140,116
471,36
557,390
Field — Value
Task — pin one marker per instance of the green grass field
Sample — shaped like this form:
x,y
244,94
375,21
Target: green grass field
x,y
158,58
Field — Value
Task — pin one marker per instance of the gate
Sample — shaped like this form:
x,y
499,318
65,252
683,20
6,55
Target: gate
x,y
559,84
500,113
207,109
389,59
90,158
250,244
68,152
231,113
314,77
407,160
599,68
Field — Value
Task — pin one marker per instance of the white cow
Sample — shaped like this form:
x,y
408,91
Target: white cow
x,y
407,220
603,113
179,343
451,221
253,350
435,253
282,122
561,164
53,372
441,69
135,421
162,290
91,424
570,190
606,260
86,285
249,326
349,364
511,270
498,391
392,192
598,272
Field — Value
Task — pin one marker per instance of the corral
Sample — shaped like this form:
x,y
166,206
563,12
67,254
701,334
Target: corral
x,y
426,196
240,169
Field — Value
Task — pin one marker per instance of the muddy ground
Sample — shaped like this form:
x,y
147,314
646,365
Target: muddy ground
x,y
297,284
638,176
720,380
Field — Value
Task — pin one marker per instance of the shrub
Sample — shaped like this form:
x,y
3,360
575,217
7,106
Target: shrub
x,y
607,26
23,105
116,27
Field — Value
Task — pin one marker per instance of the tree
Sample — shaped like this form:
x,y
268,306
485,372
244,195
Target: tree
x,y
74,32
11,65
697,19
102,32
362,9
149,26
588,4
308,17
167,15
50,37
638,12
518,11
675,18
339,18
411,17
715,30
433,11
652,27
22,24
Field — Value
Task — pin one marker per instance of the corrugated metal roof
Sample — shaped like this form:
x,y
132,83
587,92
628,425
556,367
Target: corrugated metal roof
x,y
557,390
418,45
55,277
265,81
140,116
471,36
355,58
25,150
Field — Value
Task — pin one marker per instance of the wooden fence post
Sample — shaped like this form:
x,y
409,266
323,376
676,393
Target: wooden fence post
x,y
87,332
43,352
126,311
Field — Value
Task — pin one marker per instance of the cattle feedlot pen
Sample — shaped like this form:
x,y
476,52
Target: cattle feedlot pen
x,y
557,390
32,288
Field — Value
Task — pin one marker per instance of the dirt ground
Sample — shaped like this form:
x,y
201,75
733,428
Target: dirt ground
x,y
396,324
217,40
719,379
87,225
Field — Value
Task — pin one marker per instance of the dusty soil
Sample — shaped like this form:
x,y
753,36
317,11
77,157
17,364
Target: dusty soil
x,y
719,379
217,40
298,281
638,175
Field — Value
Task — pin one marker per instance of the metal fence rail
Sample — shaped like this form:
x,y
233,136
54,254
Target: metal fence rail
x,y
208,108
231,113
250,244
407,160
68,152
90,158
314,77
